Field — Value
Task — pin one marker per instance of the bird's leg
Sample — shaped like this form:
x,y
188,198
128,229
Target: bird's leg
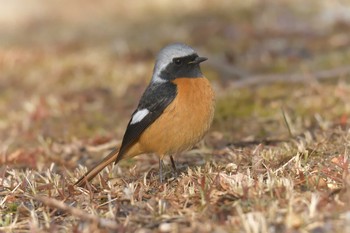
x,y
173,165
160,170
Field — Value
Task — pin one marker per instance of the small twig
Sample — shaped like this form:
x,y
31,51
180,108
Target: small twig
x,y
286,121
107,223
284,165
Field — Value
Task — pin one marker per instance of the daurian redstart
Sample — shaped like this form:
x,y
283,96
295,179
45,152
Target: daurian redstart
x,y
174,112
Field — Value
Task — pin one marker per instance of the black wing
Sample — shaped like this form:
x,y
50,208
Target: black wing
x,y
155,99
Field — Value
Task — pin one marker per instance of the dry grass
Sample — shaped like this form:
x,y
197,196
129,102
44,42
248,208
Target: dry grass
x,y
69,83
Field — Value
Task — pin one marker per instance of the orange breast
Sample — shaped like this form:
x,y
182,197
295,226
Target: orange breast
x,y
184,122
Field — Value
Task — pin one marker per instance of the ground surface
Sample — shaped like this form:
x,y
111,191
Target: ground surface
x,y
275,160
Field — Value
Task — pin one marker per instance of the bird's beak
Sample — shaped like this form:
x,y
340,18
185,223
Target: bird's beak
x,y
198,60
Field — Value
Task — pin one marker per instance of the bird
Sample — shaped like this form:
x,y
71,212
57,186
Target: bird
x,y
174,113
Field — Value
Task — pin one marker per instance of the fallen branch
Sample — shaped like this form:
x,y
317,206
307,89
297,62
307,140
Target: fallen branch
x,y
291,78
238,78
107,223
227,71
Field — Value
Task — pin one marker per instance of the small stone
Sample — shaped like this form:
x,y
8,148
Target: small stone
x,y
165,227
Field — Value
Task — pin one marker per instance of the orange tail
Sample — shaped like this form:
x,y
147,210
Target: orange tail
x,y
89,175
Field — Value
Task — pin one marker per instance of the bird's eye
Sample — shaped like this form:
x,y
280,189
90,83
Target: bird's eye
x,y
177,61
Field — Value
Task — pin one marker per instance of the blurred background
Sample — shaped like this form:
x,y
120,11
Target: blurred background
x,y
276,158
74,70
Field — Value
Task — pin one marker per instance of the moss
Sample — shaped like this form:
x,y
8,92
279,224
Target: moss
x,y
11,208
234,105
246,103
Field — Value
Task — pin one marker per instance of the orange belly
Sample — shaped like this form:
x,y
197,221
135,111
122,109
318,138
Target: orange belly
x,y
184,122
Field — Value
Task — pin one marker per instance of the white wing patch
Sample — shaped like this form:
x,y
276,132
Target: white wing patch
x,y
139,115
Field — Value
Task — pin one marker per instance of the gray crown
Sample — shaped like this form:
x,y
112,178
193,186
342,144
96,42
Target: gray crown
x,y
167,54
